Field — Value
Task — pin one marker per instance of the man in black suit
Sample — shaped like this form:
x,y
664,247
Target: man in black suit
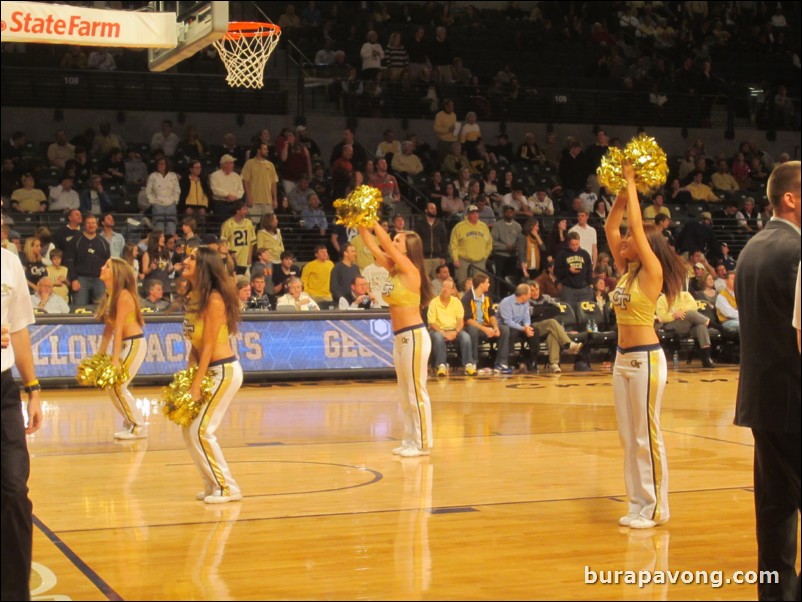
x,y
769,383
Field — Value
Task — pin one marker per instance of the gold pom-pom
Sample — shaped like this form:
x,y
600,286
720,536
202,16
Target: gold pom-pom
x,y
98,371
648,160
178,404
360,207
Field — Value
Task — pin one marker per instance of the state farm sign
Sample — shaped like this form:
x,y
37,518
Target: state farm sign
x,y
59,24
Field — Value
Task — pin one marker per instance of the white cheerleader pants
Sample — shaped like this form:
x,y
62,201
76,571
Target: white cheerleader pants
x,y
132,354
411,350
639,378
199,436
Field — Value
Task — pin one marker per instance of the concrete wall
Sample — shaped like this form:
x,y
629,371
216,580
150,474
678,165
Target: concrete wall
x,y
40,124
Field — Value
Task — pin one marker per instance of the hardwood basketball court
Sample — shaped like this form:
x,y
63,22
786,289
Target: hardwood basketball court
x,y
519,499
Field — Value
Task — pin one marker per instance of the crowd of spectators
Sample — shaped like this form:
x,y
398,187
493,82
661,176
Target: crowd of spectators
x,y
517,212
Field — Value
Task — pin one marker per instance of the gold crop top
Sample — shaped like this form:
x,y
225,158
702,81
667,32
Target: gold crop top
x,y
632,307
193,330
397,295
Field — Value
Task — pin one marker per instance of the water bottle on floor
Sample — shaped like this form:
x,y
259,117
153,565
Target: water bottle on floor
x,y
676,359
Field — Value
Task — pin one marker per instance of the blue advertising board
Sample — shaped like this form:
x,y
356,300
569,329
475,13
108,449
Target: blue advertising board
x,y
327,342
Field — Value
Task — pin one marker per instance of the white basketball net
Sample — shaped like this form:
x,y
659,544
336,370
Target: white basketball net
x,y
245,56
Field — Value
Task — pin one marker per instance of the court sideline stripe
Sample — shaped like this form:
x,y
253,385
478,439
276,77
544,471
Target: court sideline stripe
x,y
76,560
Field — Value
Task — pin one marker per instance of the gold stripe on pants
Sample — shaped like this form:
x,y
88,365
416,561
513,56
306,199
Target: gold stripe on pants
x,y
132,354
639,378
200,435
411,351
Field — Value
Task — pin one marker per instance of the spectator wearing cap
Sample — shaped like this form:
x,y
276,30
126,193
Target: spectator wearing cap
x,y
699,190
698,235
505,233
727,260
470,244
486,213
226,186
63,197
28,199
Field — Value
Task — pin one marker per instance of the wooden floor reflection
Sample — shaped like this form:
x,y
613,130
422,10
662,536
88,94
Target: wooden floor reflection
x,y
518,501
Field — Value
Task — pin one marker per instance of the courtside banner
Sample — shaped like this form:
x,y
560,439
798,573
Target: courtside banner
x,y
59,24
269,345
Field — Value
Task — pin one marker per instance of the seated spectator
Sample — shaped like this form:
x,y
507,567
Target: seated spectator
x,y
360,296
28,199
60,151
243,292
540,203
298,197
101,59
94,199
722,180
445,317
543,309
547,280
283,271
658,206
701,191
63,197
259,300
296,297
749,220
481,322
313,218
455,161
154,296
407,162
683,318
513,314
441,274
377,277
727,306
45,301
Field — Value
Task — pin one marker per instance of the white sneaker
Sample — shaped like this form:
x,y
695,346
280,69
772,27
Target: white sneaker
x,y
413,452
202,495
555,368
397,451
141,433
574,348
442,370
641,523
470,369
218,498
625,521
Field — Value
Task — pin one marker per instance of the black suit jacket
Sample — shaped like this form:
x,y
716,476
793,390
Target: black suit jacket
x,y
770,378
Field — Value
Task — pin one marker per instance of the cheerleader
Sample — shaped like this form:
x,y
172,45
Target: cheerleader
x,y
407,291
649,267
120,312
212,316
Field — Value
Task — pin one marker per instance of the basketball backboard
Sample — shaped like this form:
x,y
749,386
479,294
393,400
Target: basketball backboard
x,y
198,24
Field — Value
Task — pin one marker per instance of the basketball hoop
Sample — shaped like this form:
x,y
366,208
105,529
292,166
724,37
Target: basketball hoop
x,y
245,49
